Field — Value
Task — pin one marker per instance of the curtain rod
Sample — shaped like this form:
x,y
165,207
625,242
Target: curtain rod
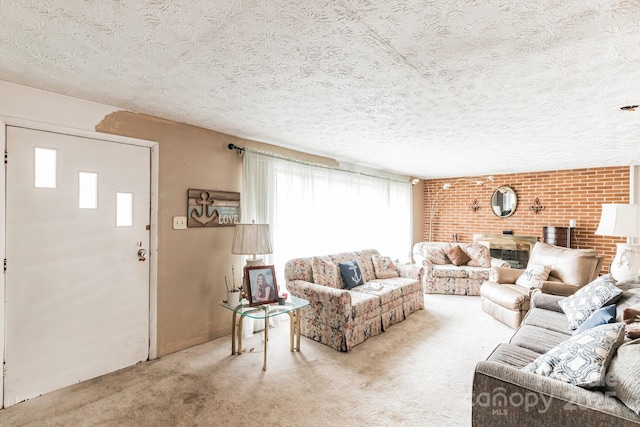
x,y
240,151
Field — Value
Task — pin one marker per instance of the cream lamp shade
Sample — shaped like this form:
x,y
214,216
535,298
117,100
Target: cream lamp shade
x,y
622,220
252,239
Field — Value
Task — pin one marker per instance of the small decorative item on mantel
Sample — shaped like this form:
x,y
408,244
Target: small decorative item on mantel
x,y
536,207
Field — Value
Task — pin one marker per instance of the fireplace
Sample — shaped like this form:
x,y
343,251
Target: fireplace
x,y
514,249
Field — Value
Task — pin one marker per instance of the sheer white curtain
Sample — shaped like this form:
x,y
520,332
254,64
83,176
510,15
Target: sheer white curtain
x,y
316,211
257,201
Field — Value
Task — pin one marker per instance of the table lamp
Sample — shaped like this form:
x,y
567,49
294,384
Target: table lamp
x,y
622,220
252,239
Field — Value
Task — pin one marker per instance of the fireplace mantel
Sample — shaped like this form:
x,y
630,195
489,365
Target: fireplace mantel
x,y
505,241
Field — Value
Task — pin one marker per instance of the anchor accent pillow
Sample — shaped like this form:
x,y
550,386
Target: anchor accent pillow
x,y
351,274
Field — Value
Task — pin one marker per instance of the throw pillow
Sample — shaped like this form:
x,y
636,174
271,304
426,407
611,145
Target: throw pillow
x,y
623,380
324,272
533,276
599,317
383,267
351,275
582,360
588,299
457,255
480,254
435,253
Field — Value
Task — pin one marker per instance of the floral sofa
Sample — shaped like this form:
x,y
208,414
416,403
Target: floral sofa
x,y
342,318
441,276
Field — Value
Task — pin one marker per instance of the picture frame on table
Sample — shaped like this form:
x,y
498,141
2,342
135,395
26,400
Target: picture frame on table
x,y
261,286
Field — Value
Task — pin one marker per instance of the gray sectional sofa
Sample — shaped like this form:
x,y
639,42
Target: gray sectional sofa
x,y
506,395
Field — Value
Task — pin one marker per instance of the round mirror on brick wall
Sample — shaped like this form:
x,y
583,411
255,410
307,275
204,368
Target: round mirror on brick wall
x,y
504,202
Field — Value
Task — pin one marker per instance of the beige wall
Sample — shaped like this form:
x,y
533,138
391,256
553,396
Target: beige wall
x,y
192,263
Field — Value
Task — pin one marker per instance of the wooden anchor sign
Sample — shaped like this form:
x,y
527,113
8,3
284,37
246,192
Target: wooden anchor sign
x,y
212,208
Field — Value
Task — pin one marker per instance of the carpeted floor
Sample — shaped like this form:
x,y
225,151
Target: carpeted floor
x,y
417,373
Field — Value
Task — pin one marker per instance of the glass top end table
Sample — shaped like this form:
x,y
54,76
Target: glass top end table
x,y
266,311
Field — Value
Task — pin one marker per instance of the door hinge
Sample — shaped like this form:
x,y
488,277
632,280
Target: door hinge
x,y
6,157
4,370
5,265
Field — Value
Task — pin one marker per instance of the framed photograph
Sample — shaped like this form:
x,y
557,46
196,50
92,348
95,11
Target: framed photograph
x,y
261,284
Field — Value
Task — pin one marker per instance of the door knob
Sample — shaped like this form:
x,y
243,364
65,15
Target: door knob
x,y
142,255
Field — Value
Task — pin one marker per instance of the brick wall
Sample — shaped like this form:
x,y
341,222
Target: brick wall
x,y
568,194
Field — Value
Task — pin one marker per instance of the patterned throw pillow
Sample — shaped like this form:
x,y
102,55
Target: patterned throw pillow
x,y
383,267
457,255
324,272
351,275
434,252
533,276
583,359
588,299
480,254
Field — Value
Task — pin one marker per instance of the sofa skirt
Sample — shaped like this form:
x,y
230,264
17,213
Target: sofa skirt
x,y
357,331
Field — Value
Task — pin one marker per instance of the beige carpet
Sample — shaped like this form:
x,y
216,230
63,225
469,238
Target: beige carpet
x,y
417,373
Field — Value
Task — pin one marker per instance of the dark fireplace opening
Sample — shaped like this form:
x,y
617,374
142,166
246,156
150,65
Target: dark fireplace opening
x,y
517,258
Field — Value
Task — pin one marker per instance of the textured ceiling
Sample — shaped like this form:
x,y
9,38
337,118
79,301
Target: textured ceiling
x,y
424,88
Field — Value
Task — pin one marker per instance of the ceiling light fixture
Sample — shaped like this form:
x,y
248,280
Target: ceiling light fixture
x,y
629,108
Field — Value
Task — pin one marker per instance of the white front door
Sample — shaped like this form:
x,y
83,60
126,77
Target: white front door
x,y
77,293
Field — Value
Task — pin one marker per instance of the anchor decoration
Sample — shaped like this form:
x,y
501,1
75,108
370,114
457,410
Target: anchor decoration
x,y
357,278
212,208
204,216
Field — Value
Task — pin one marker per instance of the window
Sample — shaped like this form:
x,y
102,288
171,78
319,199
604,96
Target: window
x,y
314,210
124,209
45,167
87,190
